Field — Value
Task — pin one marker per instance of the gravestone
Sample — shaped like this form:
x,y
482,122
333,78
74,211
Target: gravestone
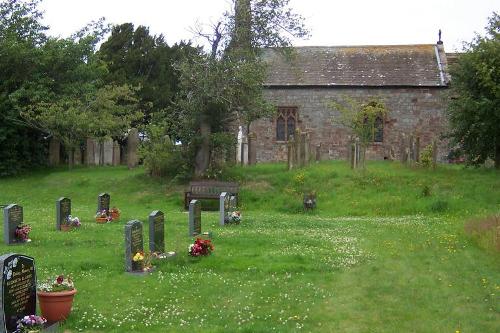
x,y
194,218
12,217
89,152
63,210
157,232
133,244
224,208
108,152
18,290
54,152
103,202
116,153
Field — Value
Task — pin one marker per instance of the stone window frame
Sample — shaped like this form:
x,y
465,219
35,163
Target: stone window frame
x,y
286,113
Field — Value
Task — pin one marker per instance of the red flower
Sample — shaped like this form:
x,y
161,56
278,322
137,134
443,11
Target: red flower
x,y
60,279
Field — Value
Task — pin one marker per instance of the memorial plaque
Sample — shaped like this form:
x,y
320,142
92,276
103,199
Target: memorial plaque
x,y
12,217
157,232
63,210
224,208
103,202
18,290
133,244
194,218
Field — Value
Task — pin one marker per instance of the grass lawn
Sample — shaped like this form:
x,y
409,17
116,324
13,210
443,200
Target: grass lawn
x,y
385,251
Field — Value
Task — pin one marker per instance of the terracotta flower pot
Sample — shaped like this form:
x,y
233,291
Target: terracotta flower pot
x,y
56,306
101,220
65,227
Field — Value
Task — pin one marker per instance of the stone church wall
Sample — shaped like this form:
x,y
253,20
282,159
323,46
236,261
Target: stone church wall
x,y
411,111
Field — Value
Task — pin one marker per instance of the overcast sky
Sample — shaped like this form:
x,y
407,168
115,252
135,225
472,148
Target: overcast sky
x,y
331,22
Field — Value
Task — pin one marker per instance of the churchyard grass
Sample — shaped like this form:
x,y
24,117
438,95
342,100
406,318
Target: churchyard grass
x,y
385,251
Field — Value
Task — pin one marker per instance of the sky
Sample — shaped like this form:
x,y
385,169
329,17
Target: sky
x,y
331,22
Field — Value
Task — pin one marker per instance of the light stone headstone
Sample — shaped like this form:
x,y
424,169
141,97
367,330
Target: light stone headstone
x,y
194,218
12,217
157,232
18,290
108,152
63,210
134,243
224,208
116,153
89,152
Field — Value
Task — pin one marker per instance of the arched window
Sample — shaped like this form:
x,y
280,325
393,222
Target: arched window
x,y
286,122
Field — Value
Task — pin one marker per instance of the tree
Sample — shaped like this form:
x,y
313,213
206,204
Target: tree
x,y
361,118
21,35
474,107
229,80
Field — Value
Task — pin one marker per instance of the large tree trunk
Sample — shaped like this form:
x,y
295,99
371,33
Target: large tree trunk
x,y
202,159
71,158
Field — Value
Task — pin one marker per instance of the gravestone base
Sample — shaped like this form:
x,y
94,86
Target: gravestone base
x,y
206,234
166,255
141,273
51,328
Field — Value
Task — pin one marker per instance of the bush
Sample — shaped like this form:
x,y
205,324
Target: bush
x,y
426,191
439,206
426,157
485,232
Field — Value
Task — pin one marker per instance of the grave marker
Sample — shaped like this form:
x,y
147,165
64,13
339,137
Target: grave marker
x,y
157,232
133,245
194,218
224,208
18,290
12,217
63,210
103,202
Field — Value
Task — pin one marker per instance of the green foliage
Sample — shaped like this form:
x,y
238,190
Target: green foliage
x,y
426,191
439,206
474,108
426,157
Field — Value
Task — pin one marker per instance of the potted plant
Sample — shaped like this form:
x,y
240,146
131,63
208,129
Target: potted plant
x,y
55,298
103,216
115,213
200,247
70,222
141,262
22,233
30,324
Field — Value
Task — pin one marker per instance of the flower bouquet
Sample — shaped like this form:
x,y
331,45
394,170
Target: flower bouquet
x,y
30,324
200,247
115,213
141,262
22,233
235,217
70,222
55,297
103,216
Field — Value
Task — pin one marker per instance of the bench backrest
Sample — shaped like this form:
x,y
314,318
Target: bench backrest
x,y
213,187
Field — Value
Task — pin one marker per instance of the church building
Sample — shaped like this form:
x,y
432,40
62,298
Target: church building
x,y
411,80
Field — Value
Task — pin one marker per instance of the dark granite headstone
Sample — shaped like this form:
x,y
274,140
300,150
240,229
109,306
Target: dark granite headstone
x,y
103,202
224,208
194,218
133,244
157,232
18,290
12,217
63,210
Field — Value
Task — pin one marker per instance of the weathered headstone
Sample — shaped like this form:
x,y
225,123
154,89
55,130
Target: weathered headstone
x,y
97,153
224,199
18,290
116,153
12,217
77,156
103,202
108,152
63,210
54,152
291,154
194,218
157,232
132,145
133,244
89,152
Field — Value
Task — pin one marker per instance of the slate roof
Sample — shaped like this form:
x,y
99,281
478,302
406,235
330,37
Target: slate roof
x,y
381,65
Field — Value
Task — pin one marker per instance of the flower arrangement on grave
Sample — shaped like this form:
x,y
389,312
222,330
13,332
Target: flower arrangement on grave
x,y
55,297
71,221
115,213
235,217
200,247
103,216
142,261
30,324
22,232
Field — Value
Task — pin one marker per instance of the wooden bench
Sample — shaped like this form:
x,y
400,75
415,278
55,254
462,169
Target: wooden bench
x,y
209,189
